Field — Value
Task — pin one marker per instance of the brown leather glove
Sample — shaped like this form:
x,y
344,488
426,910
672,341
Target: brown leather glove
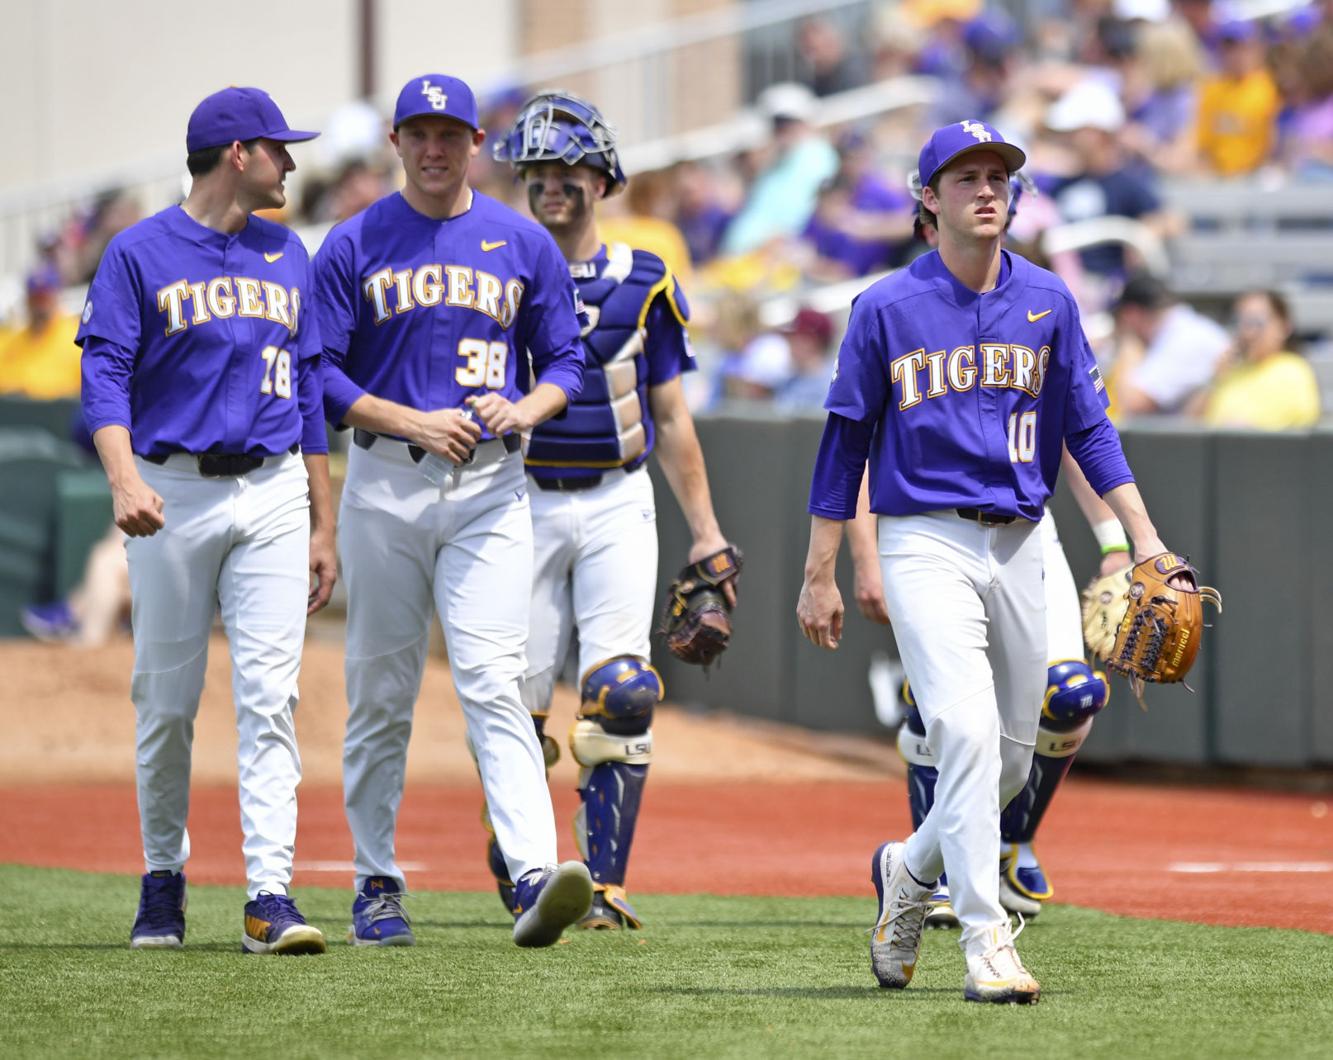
x,y
696,619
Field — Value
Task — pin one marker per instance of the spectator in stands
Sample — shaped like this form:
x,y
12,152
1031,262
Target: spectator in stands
x,y
1238,106
979,86
1166,352
701,214
40,359
808,336
828,64
1159,89
763,368
1265,385
113,211
1089,117
782,198
861,223
644,221
1305,146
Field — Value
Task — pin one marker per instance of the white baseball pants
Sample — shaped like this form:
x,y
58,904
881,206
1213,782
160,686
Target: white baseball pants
x,y
596,569
969,613
244,544
408,549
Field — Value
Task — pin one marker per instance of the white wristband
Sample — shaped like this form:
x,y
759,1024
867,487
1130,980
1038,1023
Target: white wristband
x,y
1110,536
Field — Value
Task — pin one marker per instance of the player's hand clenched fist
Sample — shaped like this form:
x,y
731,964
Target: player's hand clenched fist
x,y
137,508
449,433
819,612
501,415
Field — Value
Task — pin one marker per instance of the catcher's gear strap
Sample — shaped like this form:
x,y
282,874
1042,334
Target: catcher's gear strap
x,y
913,747
1052,744
592,745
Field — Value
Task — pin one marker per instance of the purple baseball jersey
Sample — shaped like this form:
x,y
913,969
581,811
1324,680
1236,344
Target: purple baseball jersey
x,y
969,396
428,312
203,341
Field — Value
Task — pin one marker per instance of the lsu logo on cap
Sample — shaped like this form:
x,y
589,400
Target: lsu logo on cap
x,y
977,130
434,95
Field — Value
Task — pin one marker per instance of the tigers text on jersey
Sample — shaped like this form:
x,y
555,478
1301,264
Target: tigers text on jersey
x,y
427,312
635,339
973,394
198,340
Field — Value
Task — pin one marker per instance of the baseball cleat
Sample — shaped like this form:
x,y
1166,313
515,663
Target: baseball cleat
x,y
1027,879
1014,902
378,916
273,924
160,922
53,623
941,914
995,973
548,902
610,910
895,940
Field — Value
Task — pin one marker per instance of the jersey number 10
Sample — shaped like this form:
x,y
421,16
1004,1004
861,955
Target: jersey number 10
x,y
1022,436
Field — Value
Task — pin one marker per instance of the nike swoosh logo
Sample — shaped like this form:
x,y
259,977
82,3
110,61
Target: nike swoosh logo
x,y
485,245
271,258
1034,317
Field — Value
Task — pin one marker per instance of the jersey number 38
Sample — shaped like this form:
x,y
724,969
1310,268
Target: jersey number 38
x,y
485,363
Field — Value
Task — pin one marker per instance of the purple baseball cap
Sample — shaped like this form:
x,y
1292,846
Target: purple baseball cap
x,y
239,114
959,138
436,96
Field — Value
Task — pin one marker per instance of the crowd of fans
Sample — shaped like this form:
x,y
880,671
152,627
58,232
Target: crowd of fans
x,y
1107,96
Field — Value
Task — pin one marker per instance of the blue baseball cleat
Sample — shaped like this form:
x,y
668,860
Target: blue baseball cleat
x,y
378,916
273,924
160,922
53,622
548,902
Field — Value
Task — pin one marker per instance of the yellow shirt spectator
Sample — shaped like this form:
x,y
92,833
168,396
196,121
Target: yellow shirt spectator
x,y
41,364
1238,108
1275,394
653,234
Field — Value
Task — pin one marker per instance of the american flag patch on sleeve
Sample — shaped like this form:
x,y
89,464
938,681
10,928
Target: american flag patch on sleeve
x,y
1098,384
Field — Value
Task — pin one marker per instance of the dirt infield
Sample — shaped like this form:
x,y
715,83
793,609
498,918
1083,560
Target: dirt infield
x,y
733,806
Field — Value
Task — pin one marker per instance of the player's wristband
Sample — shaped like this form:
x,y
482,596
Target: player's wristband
x,y
1110,536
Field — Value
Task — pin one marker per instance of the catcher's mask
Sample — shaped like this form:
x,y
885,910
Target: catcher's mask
x,y
559,127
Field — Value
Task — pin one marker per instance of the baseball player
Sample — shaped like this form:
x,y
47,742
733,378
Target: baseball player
x,y
201,385
1075,692
962,377
431,303
592,503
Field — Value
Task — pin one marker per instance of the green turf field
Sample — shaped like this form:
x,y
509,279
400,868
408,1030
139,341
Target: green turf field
x,y
711,976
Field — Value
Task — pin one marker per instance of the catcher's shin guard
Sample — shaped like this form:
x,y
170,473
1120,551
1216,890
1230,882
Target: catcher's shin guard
x,y
612,740
1075,693
920,759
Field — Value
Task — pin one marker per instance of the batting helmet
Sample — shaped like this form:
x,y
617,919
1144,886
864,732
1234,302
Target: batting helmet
x,y
559,127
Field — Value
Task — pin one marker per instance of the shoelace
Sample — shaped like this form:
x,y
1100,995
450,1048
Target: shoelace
x,y
276,906
386,907
1006,943
904,934
161,903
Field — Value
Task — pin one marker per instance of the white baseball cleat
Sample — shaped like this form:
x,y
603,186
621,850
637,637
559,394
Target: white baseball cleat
x,y
1014,902
895,940
994,971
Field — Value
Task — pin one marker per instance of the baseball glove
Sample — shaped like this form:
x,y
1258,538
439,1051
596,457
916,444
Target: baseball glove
x,y
696,619
1105,601
1158,638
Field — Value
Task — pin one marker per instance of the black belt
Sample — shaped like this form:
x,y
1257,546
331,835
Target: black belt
x,y
976,515
220,465
575,483
364,439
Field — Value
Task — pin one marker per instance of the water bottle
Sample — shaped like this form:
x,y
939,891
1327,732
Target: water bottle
x,y
437,469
